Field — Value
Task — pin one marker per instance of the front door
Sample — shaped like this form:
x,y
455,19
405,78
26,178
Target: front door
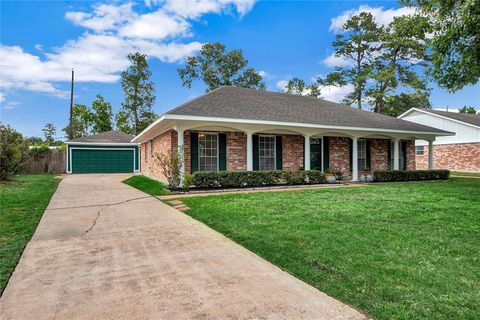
x,y
316,154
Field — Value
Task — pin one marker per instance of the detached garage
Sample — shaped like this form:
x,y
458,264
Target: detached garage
x,y
107,152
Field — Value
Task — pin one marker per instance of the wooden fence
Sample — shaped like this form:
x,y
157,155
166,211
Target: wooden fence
x,y
52,161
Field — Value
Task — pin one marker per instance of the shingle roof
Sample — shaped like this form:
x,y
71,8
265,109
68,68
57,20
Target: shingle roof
x,y
463,117
106,137
241,103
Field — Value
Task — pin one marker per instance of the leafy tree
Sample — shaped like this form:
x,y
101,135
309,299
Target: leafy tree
x,y
101,115
32,141
403,51
467,109
13,152
170,163
136,113
358,44
455,44
49,132
297,86
81,121
398,104
217,67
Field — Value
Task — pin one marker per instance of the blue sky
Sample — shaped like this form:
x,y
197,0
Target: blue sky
x,y
42,41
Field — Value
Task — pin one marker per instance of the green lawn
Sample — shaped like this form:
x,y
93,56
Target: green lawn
x,y
23,201
394,251
147,185
465,174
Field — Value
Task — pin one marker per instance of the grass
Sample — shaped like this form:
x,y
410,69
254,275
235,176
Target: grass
x,y
394,250
23,202
147,185
465,174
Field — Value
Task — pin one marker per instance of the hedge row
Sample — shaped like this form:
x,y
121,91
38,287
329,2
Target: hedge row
x,y
409,175
240,179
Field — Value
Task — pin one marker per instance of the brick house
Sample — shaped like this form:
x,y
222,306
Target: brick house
x,y
459,152
244,129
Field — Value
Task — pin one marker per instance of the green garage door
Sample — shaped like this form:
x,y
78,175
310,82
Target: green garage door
x,y
102,161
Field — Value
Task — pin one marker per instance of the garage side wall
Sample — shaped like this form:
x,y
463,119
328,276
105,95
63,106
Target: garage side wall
x,y
98,146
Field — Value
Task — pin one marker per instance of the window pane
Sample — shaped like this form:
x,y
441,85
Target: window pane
x,y
362,154
419,150
208,151
266,152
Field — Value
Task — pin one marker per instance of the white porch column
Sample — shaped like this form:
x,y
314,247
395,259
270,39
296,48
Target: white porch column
x,y
396,154
249,151
354,159
181,151
306,154
430,155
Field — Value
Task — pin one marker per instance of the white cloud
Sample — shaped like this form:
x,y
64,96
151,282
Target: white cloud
x,y
282,85
104,16
382,16
156,25
334,93
10,105
195,8
2,97
334,61
330,93
100,54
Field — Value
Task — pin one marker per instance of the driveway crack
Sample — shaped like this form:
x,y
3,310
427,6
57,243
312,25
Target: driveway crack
x,y
105,207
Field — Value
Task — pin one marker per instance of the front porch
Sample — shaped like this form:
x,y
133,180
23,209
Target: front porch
x,y
238,147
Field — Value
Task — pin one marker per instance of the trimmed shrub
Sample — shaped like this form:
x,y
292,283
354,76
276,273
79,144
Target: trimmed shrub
x,y
241,179
409,175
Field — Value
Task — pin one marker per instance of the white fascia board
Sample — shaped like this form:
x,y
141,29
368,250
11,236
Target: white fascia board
x,y
153,124
294,124
130,144
436,115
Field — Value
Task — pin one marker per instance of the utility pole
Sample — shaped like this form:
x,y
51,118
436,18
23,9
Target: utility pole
x,y
70,129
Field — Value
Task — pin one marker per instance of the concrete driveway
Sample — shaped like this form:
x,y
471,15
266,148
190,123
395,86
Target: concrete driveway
x,y
104,250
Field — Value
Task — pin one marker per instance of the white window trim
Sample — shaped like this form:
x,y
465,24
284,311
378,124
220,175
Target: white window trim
x,y
274,150
218,150
93,148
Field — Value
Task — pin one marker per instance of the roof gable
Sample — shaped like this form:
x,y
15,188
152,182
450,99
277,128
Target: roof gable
x,y
471,119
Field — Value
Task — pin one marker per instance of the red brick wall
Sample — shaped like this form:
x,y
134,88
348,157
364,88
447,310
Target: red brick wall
x,y
411,163
292,152
236,151
166,142
460,157
379,154
339,155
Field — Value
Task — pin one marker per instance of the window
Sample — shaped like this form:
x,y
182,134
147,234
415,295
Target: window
x,y
208,151
362,155
419,150
401,153
266,152
151,148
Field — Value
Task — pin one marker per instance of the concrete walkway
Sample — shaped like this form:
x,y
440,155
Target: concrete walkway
x,y
104,250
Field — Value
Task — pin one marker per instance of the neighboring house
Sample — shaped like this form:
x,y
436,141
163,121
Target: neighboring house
x,y
238,129
460,152
107,152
